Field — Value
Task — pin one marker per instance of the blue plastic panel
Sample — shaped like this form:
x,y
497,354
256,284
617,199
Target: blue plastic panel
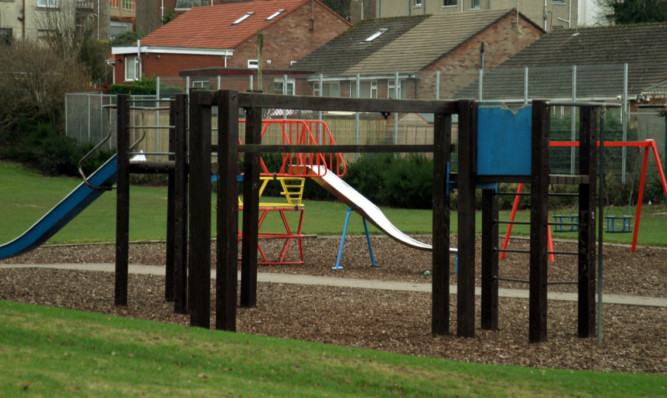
x,y
503,140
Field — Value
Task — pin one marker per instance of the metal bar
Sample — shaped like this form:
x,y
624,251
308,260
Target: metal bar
x,y
150,127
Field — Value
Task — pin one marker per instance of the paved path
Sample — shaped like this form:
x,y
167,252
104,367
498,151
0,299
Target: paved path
x,y
311,280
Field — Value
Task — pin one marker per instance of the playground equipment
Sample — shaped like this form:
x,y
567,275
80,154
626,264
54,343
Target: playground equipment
x,y
62,213
614,223
477,165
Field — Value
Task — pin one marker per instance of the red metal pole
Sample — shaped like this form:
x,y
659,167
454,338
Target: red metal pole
x,y
640,198
517,198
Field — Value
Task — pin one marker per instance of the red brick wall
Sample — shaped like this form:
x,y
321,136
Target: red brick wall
x,y
289,39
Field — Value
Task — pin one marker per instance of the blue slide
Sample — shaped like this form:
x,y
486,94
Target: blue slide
x,y
63,212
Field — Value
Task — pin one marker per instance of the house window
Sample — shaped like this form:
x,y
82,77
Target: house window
x,y
113,3
243,18
559,2
417,3
5,35
47,3
474,4
374,35
131,68
129,4
205,84
391,89
279,86
253,64
449,3
373,89
274,15
329,89
188,4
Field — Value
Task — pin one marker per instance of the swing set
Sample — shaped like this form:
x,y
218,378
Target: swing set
x,y
615,223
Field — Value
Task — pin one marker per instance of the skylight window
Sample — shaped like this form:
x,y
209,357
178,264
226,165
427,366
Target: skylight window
x,y
374,35
275,14
243,18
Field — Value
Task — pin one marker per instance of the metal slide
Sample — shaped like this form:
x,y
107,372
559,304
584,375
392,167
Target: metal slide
x,y
63,212
350,196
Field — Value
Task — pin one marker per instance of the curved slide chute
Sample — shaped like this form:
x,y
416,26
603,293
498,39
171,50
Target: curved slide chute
x,y
63,212
367,209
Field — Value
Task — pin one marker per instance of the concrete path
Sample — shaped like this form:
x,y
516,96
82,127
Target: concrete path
x,y
311,280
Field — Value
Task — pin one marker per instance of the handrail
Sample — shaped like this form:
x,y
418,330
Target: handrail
x,y
86,156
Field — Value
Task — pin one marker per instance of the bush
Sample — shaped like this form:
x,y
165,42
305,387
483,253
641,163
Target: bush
x,y
390,180
40,147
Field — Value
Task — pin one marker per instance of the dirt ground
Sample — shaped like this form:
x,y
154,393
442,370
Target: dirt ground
x,y
634,338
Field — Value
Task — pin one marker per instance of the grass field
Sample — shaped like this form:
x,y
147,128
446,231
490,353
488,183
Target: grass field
x,y
25,197
53,352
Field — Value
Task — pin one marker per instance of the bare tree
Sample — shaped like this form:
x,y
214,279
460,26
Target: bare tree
x,y
34,81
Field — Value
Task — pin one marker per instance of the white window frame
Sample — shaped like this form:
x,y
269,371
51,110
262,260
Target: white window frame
x,y
274,15
131,69
474,4
47,3
291,86
253,64
417,3
391,88
243,18
373,90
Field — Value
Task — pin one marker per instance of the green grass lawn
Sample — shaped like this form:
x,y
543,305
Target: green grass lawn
x,y
25,197
56,353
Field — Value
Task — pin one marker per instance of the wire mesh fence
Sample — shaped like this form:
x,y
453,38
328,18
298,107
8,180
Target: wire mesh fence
x,y
89,117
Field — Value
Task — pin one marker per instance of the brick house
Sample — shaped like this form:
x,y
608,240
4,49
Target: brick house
x,y
402,57
225,37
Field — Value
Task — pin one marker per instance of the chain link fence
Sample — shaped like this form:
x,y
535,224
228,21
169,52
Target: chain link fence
x,y
90,119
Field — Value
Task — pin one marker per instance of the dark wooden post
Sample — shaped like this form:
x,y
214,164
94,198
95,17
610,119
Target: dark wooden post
x,y
539,185
171,211
465,317
251,184
587,167
180,219
122,199
200,209
489,259
227,215
442,134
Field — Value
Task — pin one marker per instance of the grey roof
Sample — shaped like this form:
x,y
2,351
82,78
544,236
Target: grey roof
x,y
346,50
409,44
599,54
427,42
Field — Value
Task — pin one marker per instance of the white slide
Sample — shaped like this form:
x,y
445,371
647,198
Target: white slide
x,y
350,196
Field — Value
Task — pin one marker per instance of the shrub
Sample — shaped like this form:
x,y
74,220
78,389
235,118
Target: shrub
x,y
40,147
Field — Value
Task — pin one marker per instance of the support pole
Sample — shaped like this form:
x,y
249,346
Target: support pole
x,y
465,318
251,184
227,217
200,209
180,197
442,136
489,260
122,200
587,166
539,218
